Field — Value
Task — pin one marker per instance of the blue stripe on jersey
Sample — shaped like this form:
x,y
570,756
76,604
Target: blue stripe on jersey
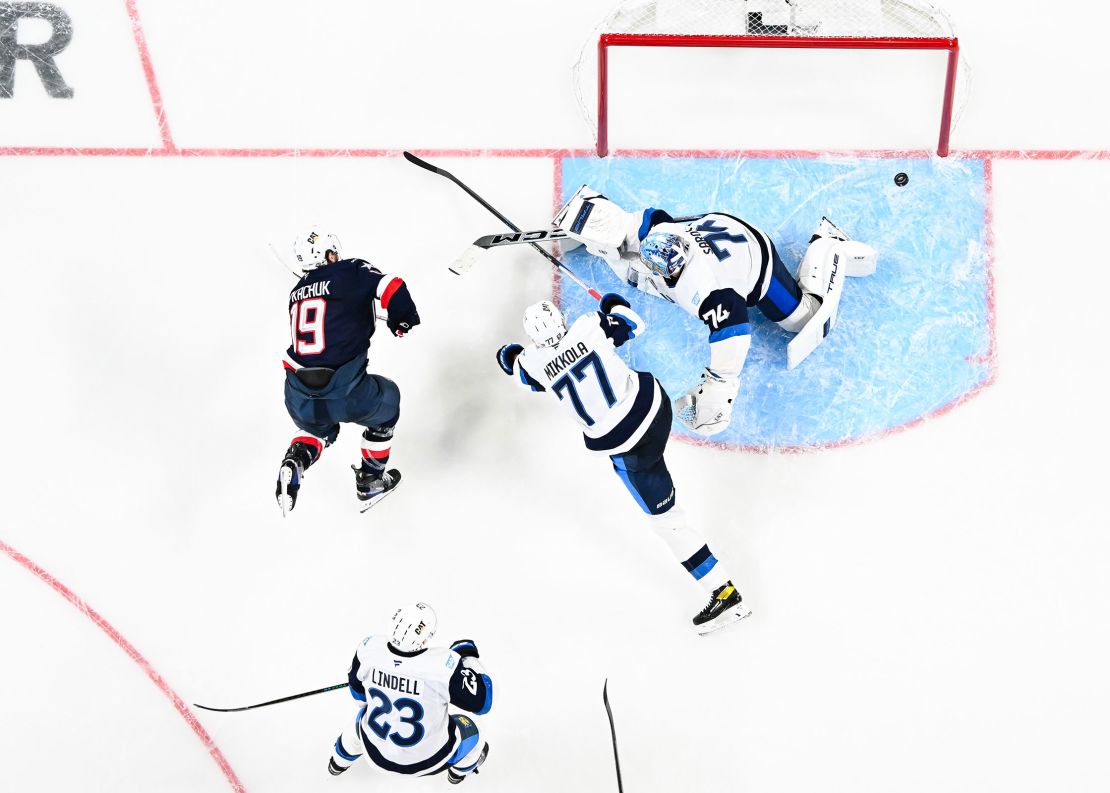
x,y
781,298
744,329
339,750
468,744
637,414
488,703
530,381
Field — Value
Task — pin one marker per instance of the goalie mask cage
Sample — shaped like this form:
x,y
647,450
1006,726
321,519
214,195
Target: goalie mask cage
x,y
806,24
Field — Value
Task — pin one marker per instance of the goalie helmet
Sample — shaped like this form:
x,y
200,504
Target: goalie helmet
x,y
310,250
414,626
544,323
664,254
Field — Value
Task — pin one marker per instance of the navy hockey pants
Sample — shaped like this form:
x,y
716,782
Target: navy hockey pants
x,y
352,396
783,293
642,468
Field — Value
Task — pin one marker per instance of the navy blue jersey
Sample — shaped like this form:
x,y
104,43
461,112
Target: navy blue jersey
x,y
332,313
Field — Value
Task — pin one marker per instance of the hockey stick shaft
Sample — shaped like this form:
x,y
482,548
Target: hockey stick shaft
x,y
520,238
613,730
272,701
546,254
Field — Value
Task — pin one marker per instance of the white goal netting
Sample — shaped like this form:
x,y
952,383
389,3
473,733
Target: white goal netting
x,y
803,19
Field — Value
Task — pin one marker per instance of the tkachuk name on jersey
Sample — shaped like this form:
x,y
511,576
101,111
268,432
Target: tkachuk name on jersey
x,y
565,359
318,289
396,682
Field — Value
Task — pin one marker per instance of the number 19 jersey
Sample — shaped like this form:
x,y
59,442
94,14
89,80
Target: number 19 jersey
x,y
613,403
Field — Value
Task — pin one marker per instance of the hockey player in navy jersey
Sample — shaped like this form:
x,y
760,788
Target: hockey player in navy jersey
x,y
625,414
332,317
407,690
715,267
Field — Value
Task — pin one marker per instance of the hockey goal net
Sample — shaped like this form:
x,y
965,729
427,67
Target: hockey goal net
x,y
831,24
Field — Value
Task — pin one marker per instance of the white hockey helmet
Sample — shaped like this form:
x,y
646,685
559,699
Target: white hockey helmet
x,y
665,254
544,323
414,626
310,250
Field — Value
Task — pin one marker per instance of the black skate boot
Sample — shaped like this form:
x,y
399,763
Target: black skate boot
x,y
334,769
454,777
723,609
298,457
372,486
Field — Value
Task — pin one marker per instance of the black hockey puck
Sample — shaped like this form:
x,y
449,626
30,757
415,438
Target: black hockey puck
x,y
901,179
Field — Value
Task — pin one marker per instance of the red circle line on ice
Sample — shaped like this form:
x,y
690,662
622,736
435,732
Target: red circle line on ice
x,y
113,634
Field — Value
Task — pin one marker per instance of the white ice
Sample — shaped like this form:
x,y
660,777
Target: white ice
x,y
930,608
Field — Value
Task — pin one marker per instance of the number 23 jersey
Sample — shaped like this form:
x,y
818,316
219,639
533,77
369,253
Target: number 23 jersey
x,y
406,727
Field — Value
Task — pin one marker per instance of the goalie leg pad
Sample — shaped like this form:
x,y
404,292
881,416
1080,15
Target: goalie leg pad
x,y
822,274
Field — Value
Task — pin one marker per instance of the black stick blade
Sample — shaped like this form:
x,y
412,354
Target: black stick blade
x,y
417,161
613,730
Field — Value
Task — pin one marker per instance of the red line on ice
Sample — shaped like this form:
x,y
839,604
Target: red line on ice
x,y
178,704
151,80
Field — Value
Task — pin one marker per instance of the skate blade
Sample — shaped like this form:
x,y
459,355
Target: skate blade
x,y
730,618
285,476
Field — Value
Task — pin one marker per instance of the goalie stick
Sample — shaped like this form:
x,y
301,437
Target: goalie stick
x,y
272,701
467,260
613,730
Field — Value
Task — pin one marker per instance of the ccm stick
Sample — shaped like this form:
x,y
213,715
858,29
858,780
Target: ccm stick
x,y
467,260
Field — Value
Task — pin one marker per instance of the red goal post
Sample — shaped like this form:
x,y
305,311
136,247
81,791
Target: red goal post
x,y
832,24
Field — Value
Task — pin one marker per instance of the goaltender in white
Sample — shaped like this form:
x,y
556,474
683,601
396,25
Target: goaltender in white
x,y
716,266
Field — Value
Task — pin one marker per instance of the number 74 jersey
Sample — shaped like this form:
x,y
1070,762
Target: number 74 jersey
x,y
613,403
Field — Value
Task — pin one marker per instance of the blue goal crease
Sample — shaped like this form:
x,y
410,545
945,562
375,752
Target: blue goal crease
x,y
910,340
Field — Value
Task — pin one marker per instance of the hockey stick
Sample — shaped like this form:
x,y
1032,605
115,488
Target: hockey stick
x,y
520,237
613,730
467,260
272,701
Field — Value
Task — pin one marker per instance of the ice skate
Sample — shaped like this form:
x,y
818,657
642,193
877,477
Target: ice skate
x,y
372,486
723,609
455,778
297,459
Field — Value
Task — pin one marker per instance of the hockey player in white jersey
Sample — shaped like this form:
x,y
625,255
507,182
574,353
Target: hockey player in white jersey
x,y
627,415
407,689
715,267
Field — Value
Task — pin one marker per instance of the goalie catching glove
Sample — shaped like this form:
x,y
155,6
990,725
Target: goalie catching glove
x,y
707,407
598,223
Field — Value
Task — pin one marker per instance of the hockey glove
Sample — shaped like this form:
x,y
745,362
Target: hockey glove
x,y
507,355
707,407
611,300
466,648
399,327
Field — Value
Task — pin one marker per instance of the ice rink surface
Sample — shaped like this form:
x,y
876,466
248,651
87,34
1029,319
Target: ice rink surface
x,y
928,567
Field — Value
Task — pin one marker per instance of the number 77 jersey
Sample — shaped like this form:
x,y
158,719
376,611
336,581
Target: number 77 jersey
x,y
613,403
